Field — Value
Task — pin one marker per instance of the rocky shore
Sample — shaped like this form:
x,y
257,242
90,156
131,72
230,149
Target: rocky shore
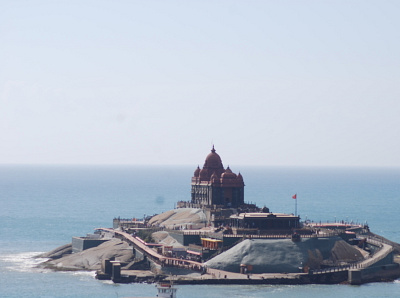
x,y
62,259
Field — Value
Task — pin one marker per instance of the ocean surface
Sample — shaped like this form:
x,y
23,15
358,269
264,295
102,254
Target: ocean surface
x,y
42,207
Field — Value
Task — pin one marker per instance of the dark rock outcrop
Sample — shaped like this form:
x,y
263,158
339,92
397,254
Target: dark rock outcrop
x,y
58,252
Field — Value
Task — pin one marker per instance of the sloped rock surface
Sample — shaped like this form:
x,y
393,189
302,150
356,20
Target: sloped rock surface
x,y
165,239
92,258
186,218
57,252
283,255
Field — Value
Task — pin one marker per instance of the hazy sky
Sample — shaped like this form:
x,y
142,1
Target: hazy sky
x,y
313,83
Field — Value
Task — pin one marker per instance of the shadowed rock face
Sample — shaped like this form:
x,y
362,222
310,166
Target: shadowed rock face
x,y
57,253
91,258
284,255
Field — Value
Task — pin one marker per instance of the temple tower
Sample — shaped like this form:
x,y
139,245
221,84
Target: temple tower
x,y
215,185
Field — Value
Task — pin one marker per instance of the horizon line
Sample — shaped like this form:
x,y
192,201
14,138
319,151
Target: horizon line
x,y
193,165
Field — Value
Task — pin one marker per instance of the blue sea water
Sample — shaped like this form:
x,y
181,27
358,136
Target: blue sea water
x,y
42,207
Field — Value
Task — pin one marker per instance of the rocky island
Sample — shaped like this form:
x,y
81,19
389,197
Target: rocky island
x,y
217,238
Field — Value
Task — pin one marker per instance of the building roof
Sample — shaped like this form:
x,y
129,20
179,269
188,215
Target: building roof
x,y
213,160
263,215
211,240
213,172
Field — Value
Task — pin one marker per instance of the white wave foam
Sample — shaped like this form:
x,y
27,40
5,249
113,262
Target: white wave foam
x,y
82,275
22,262
89,273
27,262
107,282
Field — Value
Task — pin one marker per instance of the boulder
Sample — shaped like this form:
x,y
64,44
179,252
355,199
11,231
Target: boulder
x,y
91,259
57,252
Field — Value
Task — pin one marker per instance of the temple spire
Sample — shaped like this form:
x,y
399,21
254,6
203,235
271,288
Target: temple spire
x,y
213,149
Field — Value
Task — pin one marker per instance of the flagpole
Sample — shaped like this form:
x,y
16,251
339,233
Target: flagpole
x,y
295,204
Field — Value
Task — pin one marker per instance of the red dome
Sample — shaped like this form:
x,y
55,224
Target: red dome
x,y
203,174
240,177
214,178
213,160
228,174
197,172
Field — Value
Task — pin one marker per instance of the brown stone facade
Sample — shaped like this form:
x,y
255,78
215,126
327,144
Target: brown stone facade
x,y
215,185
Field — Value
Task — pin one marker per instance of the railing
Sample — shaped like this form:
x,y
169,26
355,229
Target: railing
x,y
183,232
375,259
129,219
362,264
374,242
329,270
379,239
280,236
187,204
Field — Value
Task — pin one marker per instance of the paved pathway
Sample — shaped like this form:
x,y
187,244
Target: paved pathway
x,y
149,252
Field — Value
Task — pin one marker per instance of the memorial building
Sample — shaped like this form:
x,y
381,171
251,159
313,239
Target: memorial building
x,y
215,185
